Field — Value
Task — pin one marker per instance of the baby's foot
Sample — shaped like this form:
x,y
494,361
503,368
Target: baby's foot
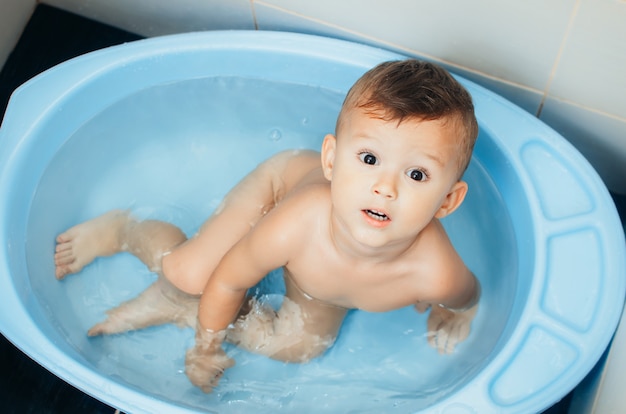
x,y
78,246
160,303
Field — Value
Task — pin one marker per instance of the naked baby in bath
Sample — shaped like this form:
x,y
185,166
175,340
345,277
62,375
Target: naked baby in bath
x,y
355,227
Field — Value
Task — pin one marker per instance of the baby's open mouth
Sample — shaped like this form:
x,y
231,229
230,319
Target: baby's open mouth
x,y
376,215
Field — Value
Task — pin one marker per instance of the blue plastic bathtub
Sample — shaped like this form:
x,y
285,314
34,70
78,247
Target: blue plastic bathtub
x,y
165,126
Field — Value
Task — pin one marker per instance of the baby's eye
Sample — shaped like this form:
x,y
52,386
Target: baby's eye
x,y
368,158
417,175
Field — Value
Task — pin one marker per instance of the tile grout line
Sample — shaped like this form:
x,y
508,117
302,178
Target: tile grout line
x,y
394,47
559,54
408,51
254,18
589,109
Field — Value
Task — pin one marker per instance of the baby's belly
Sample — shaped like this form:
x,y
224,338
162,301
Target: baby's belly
x,y
374,299
295,293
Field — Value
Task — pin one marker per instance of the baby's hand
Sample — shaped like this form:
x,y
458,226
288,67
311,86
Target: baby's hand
x,y
206,361
447,328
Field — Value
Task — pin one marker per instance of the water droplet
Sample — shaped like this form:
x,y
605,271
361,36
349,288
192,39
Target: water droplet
x,y
275,134
305,121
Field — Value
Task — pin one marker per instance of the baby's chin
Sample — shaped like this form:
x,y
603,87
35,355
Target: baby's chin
x,y
373,238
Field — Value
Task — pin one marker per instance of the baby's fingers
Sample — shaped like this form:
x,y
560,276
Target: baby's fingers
x,y
442,341
205,379
444,335
205,371
462,331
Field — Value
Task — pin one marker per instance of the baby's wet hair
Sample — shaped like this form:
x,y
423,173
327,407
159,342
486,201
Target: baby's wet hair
x,y
415,89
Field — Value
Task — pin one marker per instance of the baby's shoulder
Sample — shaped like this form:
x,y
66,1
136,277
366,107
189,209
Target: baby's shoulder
x,y
295,160
435,247
294,216
314,190
304,203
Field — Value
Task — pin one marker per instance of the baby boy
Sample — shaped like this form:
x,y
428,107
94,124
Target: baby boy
x,y
355,227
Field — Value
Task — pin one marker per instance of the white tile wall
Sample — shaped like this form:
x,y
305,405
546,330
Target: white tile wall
x,y
499,38
272,18
592,69
562,60
162,17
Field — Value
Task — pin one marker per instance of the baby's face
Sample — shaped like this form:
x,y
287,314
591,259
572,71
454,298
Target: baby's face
x,y
389,180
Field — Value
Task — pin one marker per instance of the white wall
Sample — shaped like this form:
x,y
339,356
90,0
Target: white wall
x,y
162,17
14,15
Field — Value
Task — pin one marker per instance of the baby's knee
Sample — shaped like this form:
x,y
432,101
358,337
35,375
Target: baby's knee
x,y
295,348
165,239
283,335
178,272
299,339
310,347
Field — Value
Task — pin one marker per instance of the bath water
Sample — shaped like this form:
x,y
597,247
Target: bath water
x,y
171,152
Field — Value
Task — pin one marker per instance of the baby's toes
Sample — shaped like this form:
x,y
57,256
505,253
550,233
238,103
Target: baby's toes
x,y
65,237
108,327
97,329
63,258
63,247
60,272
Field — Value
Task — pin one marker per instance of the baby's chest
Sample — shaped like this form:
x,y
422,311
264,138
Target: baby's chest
x,y
374,290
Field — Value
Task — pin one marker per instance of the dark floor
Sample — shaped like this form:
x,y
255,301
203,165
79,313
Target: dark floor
x,y
53,36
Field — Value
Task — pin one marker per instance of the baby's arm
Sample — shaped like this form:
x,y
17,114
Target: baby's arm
x,y
219,304
266,247
449,325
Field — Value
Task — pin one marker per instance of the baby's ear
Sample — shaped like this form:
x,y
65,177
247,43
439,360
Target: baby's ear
x,y
453,199
328,155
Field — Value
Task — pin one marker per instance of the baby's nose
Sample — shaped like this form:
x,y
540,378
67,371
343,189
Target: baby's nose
x,y
385,187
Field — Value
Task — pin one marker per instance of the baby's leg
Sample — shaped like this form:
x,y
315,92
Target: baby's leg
x,y
111,233
160,303
148,240
190,266
302,329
